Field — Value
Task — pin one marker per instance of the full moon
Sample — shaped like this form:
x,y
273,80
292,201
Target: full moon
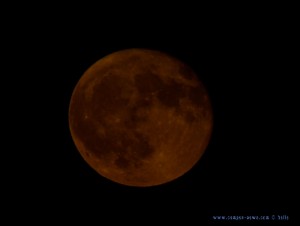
x,y
140,117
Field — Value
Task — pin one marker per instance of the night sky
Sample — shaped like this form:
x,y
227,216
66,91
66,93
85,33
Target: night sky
x,y
247,167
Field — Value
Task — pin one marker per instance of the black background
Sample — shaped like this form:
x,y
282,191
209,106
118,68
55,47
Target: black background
x,y
247,168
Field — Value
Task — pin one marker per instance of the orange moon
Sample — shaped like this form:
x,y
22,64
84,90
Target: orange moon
x,y
140,117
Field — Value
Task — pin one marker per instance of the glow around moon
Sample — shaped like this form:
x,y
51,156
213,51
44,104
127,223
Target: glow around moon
x,y
140,117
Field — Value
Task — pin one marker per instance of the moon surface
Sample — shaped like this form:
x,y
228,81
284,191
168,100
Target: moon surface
x,y
140,117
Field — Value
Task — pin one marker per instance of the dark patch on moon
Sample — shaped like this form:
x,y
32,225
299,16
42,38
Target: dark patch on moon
x,y
107,96
116,143
148,83
167,93
144,147
133,152
122,162
134,116
189,117
171,94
